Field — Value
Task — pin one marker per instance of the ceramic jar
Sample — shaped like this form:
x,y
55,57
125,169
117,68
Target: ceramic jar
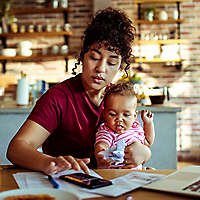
x,y
175,14
64,3
163,15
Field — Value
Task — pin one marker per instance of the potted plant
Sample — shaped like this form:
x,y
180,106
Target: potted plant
x,y
6,15
150,13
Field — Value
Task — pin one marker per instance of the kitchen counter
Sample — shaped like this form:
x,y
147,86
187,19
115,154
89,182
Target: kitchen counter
x,y
164,154
160,108
13,108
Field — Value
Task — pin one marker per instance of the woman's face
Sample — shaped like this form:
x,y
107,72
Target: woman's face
x,y
99,67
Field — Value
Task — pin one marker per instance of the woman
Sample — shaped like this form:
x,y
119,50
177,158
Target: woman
x,y
65,118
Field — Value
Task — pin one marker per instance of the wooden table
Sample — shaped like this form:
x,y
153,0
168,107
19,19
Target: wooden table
x,y
7,182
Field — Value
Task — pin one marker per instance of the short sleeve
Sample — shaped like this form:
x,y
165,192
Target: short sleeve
x,y
48,109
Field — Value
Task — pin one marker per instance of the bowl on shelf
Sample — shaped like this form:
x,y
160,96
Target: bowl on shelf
x,y
25,44
8,52
157,99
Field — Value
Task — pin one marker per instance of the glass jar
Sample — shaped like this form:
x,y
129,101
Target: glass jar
x,y
64,49
58,27
31,28
22,29
39,28
48,28
67,27
55,49
14,26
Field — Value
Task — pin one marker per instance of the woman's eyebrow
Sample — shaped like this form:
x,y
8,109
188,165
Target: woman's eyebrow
x,y
111,56
96,50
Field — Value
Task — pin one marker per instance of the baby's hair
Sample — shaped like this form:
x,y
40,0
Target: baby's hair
x,y
124,88
116,29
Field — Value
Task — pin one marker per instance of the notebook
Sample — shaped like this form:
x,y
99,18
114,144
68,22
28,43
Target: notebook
x,y
185,181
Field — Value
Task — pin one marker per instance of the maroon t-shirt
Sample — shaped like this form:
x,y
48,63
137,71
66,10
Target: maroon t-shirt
x,y
66,111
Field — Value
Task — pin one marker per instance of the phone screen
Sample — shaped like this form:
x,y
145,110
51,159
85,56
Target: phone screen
x,y
85,180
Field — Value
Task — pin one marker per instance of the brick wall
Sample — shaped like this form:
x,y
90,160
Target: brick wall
x,y
184,84
51,71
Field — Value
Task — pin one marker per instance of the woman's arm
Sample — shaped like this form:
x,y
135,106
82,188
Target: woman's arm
x,y
22,151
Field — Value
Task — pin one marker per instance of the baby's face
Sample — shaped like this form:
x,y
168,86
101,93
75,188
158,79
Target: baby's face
x,y
120,112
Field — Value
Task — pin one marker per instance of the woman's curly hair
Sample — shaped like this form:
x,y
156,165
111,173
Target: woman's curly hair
x,y
124,88
113,27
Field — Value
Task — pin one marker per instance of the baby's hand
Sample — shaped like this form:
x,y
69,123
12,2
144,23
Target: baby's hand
x,y
100,150
147,116
102,162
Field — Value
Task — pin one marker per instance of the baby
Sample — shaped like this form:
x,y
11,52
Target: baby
x,y
121,126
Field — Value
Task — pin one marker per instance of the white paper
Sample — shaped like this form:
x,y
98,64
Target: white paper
x,y
127,183
40,180
120,185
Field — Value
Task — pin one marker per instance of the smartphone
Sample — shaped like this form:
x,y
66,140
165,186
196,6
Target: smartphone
x,y
85,180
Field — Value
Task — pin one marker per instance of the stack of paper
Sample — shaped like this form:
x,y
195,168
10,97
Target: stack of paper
x,y
120,185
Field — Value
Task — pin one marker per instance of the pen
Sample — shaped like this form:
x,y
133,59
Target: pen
x,y
53,182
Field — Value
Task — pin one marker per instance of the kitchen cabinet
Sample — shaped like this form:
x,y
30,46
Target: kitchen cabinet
x,y
35,56
164,148
141,20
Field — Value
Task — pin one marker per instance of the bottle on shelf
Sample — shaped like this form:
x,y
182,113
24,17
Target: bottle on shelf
x,y
22,97
14,26
54,3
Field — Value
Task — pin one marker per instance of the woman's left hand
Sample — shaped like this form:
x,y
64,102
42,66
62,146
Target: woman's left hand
x,y
136,154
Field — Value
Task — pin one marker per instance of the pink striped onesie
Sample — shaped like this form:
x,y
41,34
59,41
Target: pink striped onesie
x,y
133,134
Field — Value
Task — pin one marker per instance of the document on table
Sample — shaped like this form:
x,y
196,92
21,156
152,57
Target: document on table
x,y
120,185
27,180
127,183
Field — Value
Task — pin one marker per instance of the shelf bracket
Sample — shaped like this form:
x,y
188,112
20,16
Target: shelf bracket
x,y
66,37
139,68
3,42
65,16
179,17
4,66
66,64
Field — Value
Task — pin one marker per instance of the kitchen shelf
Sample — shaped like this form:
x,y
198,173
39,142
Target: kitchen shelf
x,y
34,57
169,41
158,1
156,60
169,21
29,11
26,11
33,34
140,21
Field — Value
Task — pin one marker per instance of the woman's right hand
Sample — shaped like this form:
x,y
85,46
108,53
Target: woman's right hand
x,y
62,163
